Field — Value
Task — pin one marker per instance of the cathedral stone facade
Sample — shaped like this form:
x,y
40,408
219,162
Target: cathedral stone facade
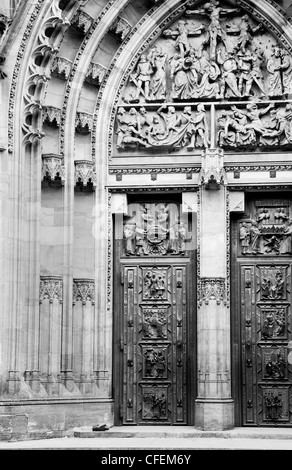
x,y
146,214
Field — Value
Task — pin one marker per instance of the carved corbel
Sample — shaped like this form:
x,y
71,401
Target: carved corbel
x,y
85,172
61,67
52,167
84,290
82,21
95,73
121,28
211,289
83,122
51,288
212,173
51,115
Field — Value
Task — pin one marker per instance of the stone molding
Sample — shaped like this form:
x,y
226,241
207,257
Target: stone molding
x,y
147,171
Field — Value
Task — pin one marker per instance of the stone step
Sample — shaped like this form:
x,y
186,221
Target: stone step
x,y
184,432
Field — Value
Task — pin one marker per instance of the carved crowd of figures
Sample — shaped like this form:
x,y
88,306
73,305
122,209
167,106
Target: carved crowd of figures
x,y
227,60
166,128
245,127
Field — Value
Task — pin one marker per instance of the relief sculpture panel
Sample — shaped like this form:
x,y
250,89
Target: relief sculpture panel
x,y
155,229
211,54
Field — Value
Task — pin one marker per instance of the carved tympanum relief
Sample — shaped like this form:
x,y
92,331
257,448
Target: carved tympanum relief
x,y
212,53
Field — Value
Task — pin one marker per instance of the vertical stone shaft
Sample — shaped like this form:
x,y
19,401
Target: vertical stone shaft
x,y
214,406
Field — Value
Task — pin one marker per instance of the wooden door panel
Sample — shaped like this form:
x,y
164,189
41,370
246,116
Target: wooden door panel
x,y
154,343
262,254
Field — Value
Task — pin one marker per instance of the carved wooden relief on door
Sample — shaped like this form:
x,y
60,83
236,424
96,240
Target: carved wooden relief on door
x,y
264,255
154,344
154,266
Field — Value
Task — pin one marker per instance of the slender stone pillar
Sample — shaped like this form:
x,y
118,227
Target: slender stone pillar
x,y
214,408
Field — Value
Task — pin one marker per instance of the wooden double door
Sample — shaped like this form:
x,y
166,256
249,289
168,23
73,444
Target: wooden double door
x,y
154,317
261,312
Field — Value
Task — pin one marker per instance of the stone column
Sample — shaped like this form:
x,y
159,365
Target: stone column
x,y
214,408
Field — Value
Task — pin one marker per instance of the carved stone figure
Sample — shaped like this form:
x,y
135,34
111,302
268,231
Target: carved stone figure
x,y
142,78
185,77
234,130
215,33
229,66
274,67
287,72
246,34
181,34
158,80
286,125
210,72
250,68
128,131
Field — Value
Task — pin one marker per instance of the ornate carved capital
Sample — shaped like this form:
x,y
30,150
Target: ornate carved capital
x,y
82,21
95,73
121,28
51,288
85,172
84,290
52,167
61,67
212,173
51,115
210,288
83,122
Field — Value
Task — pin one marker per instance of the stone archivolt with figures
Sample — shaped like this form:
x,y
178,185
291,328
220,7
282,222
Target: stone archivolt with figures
x,y
212,54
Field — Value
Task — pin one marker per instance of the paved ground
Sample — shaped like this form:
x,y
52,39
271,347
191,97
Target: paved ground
x,y
164,438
